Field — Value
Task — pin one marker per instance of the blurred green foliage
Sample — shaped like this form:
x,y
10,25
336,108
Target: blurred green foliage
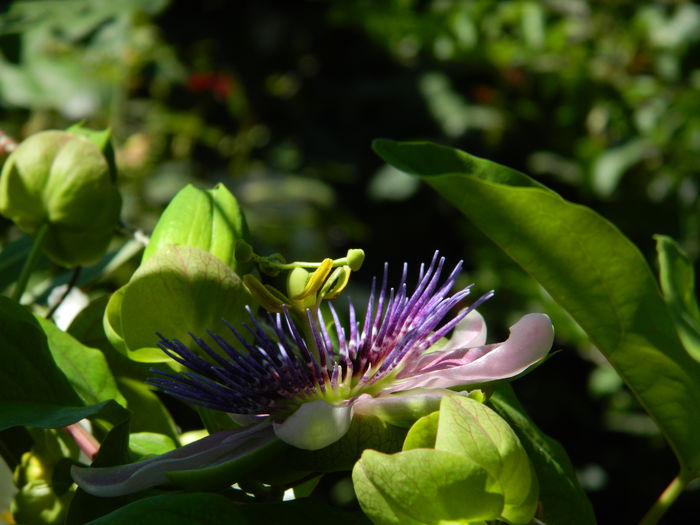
x,y
279,101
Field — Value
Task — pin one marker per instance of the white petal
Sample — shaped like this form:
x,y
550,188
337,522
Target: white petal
x,y
530,340
315,425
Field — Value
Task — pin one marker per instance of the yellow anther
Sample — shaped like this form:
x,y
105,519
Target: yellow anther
x,y
316,280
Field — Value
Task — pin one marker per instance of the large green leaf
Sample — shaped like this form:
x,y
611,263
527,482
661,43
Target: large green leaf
x,y
588,266
28,371
563,499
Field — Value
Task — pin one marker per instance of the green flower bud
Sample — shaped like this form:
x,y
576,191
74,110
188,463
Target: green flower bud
x,y
210,220
62,180
31,468
37,503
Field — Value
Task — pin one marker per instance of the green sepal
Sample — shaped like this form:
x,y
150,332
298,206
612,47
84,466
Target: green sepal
x,y
180,289
423,432
102,140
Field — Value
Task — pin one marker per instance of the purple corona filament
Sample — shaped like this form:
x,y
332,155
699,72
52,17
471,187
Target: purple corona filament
x,y
275,370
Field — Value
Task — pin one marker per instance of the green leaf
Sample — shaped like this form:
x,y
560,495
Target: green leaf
x,y
148,412
423,486
180,289
43,415
213,509
147,444
563,500
677,277
28,371
86,368
12,257
589,267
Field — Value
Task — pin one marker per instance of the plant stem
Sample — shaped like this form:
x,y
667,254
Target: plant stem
x,y
666,499
83,439
30,263
69,287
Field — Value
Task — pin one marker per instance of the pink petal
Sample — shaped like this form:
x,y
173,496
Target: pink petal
x,y
209,451
530,340
470,332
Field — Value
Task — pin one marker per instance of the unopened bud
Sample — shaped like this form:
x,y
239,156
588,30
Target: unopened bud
x,y
62,180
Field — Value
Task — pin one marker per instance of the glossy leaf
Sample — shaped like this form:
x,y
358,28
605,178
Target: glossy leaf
x,y
677,277
86,368
588,266
563,501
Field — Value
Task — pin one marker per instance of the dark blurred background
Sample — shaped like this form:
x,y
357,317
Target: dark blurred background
x,y
281,100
